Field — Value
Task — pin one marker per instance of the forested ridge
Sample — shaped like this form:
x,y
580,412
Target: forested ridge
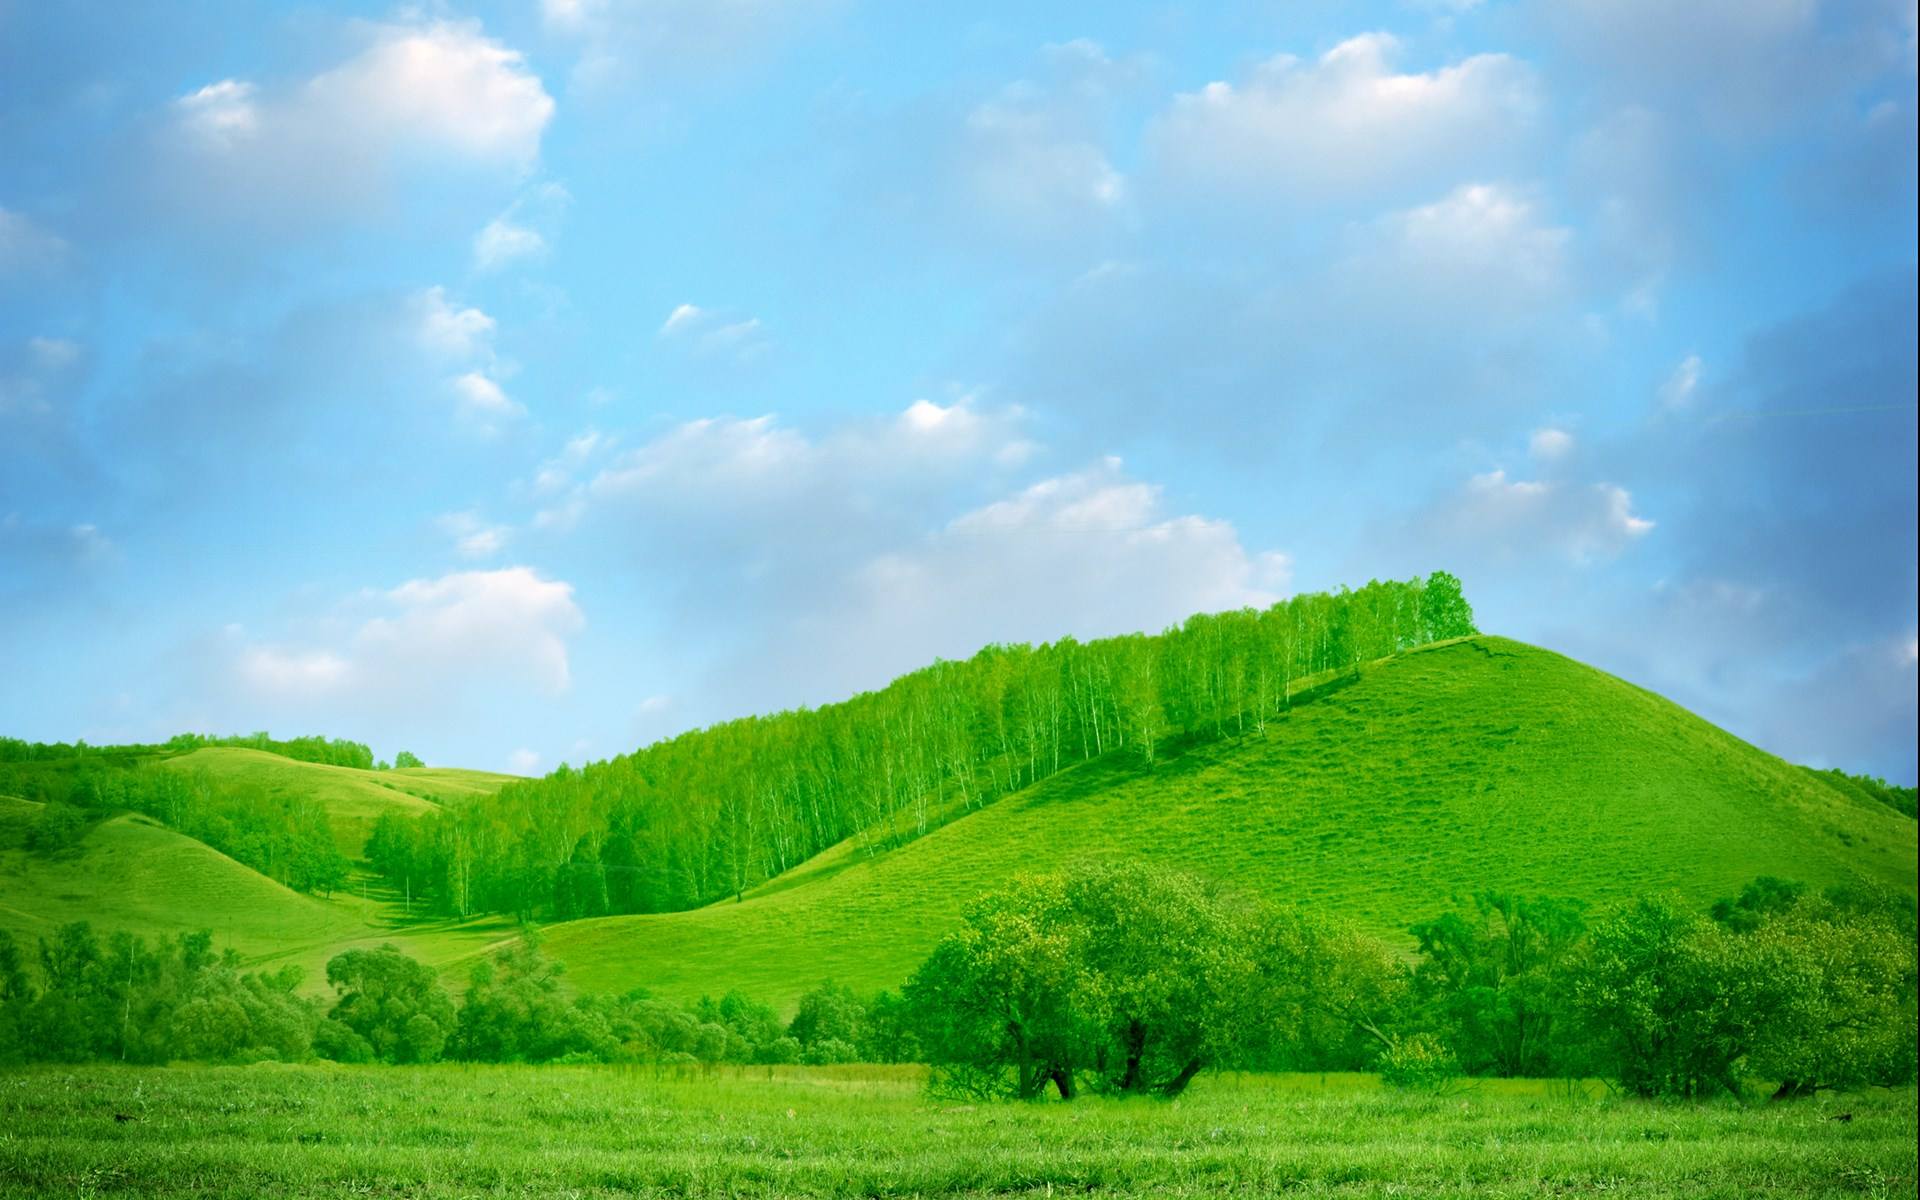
x,y
714,812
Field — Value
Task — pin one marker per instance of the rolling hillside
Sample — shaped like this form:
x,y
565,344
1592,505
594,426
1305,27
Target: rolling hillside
x,y
354,798
1462,765
1465,765
132,873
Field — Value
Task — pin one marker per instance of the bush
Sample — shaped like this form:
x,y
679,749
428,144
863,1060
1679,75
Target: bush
x,y
1419,1063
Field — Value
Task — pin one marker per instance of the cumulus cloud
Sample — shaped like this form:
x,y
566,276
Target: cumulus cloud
x,y
1343,126
426,641
439,92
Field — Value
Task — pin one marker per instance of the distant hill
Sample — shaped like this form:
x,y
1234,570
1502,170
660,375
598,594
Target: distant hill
x,y
354,798
1480,763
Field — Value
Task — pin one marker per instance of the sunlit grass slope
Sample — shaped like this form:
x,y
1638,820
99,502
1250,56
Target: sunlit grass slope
x,y
129,872
354,798
1482,763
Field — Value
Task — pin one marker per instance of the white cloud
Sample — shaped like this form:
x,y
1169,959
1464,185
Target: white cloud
x,y
1494,517
500,242
1481,248
1548,445
1090,554
460,335
523,762
714,334
474,537
25,246
428,640
1677,391
450,329
413,94
1346,125
523,232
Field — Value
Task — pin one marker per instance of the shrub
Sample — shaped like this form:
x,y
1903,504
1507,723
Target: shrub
x,y
1419,1063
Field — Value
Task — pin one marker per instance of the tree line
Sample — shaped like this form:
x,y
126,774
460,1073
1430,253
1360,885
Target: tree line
x,y
1126,980
713,812
1132,980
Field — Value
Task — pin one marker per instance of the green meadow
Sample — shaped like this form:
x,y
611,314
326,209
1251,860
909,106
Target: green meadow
x,y
872,1131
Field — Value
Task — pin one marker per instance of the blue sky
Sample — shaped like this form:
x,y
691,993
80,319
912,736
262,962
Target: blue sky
x,y
520,382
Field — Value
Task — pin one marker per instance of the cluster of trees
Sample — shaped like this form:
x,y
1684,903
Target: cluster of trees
x,y
1128,979
709,814
76,997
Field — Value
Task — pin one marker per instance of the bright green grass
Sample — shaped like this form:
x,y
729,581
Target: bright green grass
x,y
1474,764
588,1132
354,799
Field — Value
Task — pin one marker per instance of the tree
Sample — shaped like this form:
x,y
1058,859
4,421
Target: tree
x,y
392,1002
1675,1004
1132,978
1445,609
406,758
1489,980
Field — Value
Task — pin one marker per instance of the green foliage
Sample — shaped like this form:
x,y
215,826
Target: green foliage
x,y
1903,800
713,813
58,828
1127,979
405,759
1420,1062
393,1003
1491,981
128,1000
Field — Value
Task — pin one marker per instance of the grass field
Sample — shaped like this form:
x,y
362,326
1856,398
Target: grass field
x,y
1474,764
579,1132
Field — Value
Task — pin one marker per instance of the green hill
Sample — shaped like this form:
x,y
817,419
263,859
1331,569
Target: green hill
x,y
130,872
354,798
1480,763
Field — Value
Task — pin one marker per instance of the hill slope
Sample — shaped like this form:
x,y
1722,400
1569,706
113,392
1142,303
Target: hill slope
x,y
1481,763
354,798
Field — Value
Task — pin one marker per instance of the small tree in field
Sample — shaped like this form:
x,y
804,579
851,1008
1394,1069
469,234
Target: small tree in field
x,y
406,758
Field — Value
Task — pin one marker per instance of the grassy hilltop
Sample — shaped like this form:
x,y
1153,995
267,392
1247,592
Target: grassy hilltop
x,y
1469,764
